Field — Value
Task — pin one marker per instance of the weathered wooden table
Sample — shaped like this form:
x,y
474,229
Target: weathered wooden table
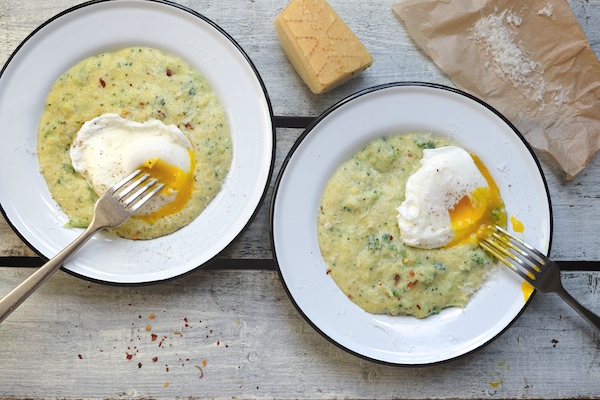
x,y
230,331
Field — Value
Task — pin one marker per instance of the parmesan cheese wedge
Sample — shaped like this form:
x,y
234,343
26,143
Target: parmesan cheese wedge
x,y
320,46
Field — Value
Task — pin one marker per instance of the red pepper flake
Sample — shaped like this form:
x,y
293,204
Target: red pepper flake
x,y
204,363
102,83
410,154
411,284
218,343
139,365
418,306
397,277
154,337
154,359
80,356
189,126
391,238
411,272
201,372
169,72
350,296
128,356
328,272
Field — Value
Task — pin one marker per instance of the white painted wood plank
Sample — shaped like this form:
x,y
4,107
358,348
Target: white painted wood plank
x,y
253,243
260,346
396,58
575,207
71,340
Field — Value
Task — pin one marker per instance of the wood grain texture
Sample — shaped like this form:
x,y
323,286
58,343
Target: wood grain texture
x,y
65,342
575,203
72,338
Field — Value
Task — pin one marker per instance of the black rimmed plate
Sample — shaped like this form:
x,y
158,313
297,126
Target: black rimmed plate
x,y
100,26
333,138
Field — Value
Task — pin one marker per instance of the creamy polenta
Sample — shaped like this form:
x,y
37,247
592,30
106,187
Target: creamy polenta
x,y
139,84
360,241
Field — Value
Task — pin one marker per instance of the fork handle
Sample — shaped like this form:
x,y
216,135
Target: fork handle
x,y
18,295
588,315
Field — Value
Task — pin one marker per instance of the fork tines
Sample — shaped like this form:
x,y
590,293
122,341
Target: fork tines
x,y
534,267
514,253
131,192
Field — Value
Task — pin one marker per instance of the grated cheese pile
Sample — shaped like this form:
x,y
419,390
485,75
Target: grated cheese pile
x,y
510,62
547,11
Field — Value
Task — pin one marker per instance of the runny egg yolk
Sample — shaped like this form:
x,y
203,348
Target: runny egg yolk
x,y
178,183
517,225
471,215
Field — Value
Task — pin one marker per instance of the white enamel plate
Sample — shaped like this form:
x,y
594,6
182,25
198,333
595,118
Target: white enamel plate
x,y
96,27
333,138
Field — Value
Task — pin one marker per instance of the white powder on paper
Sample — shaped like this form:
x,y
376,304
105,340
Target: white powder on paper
x,y
547,11
509,61
514,19
559,96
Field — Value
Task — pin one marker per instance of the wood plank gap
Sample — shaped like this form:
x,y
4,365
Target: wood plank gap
x,y
292,122
269,265
579,265
247,264
218,264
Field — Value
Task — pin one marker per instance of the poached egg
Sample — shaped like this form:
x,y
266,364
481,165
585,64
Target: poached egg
x,y
108,148
449,200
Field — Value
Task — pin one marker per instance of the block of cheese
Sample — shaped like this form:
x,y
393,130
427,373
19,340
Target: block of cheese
x,y
320,46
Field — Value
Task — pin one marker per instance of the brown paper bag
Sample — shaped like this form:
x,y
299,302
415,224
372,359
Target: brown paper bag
x,y
529,59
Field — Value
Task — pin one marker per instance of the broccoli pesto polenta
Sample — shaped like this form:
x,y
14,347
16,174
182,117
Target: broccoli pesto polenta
x,y
360,240
139,84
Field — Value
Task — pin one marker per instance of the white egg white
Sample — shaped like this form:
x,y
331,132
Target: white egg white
x,y
447,174
109,147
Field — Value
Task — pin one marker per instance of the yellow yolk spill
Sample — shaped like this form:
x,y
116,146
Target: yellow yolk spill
x,y
527,290
526,287
176,180
471,215
517,225
471,219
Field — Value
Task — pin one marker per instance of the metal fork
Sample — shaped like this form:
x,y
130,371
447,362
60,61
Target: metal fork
x,y
533,266
111,210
